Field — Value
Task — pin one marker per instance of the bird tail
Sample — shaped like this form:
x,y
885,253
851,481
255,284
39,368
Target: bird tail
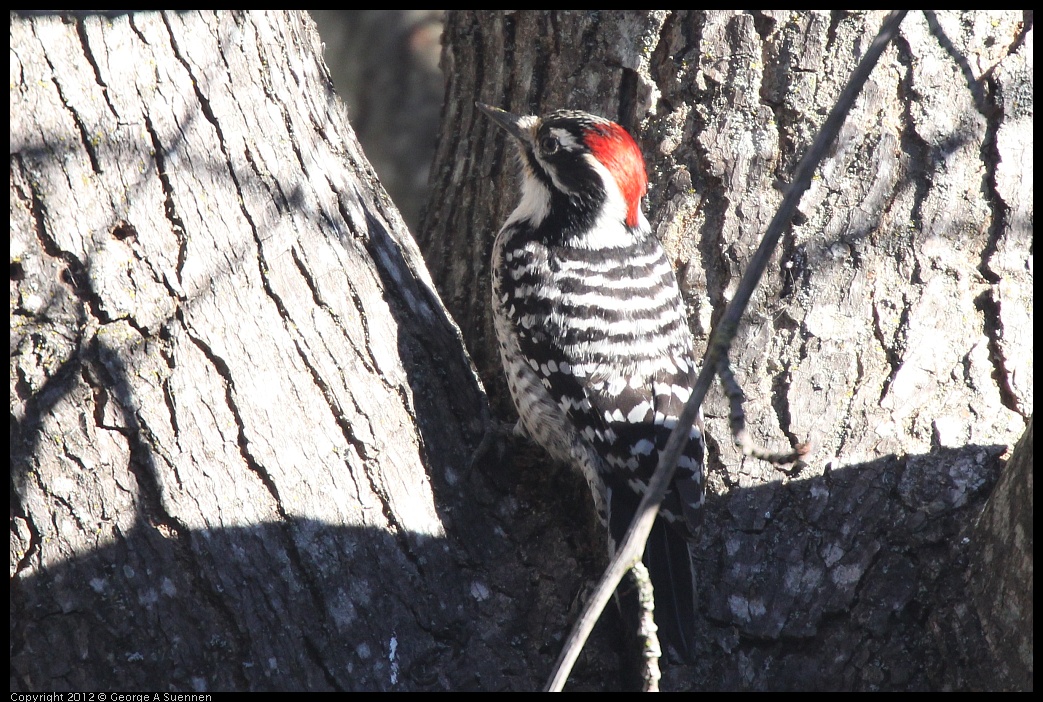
x,y
672,571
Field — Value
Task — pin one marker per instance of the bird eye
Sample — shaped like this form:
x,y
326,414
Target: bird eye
x,y
549,144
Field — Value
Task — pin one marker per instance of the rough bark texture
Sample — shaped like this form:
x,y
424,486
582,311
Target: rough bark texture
x,y
1001,575
894,332
240,416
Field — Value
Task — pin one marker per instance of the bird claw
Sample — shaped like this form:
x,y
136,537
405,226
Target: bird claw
x,y
494,443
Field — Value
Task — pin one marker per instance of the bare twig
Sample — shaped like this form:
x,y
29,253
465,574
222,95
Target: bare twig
x,y
646,630
737,419
633,545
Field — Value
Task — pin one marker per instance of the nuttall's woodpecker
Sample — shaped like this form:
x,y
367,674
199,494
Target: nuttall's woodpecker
x,y
594,339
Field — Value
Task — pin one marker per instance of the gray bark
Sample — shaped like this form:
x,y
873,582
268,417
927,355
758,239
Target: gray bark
x,y
240,416
894,331
1001,569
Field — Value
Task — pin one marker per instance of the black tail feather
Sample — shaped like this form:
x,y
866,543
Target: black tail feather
x,y
672,571
669,562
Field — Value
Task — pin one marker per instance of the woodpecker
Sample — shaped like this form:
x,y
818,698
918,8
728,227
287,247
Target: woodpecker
x,y
594,339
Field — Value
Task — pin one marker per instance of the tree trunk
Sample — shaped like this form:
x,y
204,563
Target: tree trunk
x,y
893,332
1001,569
240,416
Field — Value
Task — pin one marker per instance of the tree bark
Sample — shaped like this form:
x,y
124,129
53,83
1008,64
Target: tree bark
x,y
240,416
894,331
1001,569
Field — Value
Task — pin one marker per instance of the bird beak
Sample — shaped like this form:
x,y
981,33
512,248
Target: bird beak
x,y
516,126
